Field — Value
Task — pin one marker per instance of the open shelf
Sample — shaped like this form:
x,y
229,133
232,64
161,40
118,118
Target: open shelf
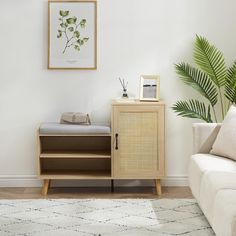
x,y
80,157
84,154
75,174
75,165
75,144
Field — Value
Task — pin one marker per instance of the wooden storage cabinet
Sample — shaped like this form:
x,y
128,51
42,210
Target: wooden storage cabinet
x,y
138,141
134,149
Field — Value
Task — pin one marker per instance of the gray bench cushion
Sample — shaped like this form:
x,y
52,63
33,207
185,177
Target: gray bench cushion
x,y
57,128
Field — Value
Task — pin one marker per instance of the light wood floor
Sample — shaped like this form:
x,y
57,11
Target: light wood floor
x,y
120,192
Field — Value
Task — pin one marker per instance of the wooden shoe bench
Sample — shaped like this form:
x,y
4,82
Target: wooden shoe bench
x,y
133,148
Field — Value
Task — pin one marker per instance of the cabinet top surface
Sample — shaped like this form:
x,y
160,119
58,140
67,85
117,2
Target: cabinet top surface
x,y
130,102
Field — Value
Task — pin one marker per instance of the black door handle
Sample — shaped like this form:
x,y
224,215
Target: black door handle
x,y
116,141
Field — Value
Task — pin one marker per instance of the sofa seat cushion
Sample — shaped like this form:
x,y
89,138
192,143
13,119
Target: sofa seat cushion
x,y
57,128
212,183
200,163
224,216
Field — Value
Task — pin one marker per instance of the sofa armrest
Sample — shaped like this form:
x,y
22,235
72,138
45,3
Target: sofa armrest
x,y
204,135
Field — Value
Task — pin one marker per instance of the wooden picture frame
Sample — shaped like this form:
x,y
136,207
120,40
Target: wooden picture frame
x,y
149,88
72,34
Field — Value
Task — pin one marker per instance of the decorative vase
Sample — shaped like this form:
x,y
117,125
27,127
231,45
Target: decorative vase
x,y
125,94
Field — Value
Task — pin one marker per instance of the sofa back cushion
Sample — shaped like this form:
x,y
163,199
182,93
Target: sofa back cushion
x,y
225,143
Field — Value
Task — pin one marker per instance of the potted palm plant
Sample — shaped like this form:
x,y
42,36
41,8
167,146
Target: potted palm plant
x,y
212,79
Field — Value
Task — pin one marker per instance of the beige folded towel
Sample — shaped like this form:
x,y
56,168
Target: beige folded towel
x,y
75,118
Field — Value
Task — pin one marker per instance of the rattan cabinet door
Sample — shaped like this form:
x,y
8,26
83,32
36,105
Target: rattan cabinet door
x,y
138,141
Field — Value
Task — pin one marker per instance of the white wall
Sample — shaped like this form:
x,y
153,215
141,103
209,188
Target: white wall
x,y
134,37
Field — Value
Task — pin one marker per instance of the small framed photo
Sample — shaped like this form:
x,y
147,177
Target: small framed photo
x,y
72,34
149,87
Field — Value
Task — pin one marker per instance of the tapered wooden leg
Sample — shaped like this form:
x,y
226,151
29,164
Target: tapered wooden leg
x,y
46,184
158,186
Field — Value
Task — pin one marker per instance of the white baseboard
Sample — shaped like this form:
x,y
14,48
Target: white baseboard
x,y
19,181
32,181
175,181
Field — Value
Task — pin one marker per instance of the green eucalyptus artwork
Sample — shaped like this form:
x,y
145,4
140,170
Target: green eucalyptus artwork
x,y
72,34
211,79
69,28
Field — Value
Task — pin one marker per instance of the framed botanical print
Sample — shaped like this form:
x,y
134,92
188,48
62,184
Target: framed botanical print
x,y
72,34
149,88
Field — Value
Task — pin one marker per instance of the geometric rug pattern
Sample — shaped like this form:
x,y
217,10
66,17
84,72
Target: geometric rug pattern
x,y
94,217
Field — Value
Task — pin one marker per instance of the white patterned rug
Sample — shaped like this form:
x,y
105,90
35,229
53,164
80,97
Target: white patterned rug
x,y
93,217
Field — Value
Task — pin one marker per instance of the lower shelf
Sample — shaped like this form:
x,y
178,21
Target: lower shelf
x,y
75,174
90,154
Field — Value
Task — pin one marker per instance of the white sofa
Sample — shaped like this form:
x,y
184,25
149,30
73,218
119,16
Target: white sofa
x,y
212,180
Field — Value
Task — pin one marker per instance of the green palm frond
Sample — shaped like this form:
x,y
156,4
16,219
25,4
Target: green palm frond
x,y
230,86
210,60
197,80
193,109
